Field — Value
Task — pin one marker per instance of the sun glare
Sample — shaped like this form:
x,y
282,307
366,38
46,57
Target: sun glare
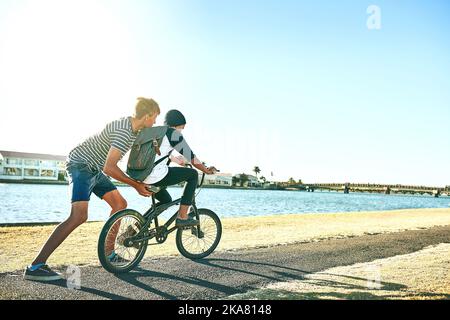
x,y
65,60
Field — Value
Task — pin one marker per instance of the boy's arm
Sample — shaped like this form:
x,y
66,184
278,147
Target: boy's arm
x,y
200,166
112,169
181,146
178,160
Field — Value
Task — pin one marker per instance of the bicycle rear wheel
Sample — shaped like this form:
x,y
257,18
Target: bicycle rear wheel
x,y
194,245
115,252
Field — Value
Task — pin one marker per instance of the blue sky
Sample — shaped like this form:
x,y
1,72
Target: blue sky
x,y
299,88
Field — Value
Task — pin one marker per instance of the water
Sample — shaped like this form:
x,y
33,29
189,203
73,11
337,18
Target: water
x,y
51,203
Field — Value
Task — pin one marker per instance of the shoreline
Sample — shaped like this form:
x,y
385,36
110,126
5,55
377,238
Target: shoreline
x,y
19,244
65,183
35,182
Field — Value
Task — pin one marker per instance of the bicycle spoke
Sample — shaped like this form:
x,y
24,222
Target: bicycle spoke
x,y
192,239
198,245
117,234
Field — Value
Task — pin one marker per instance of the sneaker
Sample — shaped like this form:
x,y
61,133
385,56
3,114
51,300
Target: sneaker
x,y
130,232
192,214
115,258
195,231
190,222
43,273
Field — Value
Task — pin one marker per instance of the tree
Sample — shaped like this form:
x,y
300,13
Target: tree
x,y
235,180
256,170
300,181
291,181
61,176
263,179
243,179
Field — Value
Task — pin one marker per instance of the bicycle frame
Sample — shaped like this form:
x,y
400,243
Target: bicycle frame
x,y
153,213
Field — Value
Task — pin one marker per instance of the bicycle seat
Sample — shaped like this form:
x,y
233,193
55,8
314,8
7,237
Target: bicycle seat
x,y
153,189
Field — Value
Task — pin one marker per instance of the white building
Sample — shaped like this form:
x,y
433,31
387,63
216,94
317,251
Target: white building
x,y
270,184
218,179
252,182
30,166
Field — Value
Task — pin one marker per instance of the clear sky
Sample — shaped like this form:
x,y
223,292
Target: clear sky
x,y
303,89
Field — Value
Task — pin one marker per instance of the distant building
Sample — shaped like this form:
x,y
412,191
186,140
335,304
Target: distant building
x,y
270,185
252,181
218,179
31,166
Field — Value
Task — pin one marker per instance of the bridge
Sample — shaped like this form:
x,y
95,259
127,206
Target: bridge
x,y
376,188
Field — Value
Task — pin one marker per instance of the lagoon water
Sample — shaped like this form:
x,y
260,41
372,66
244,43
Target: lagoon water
x,y
51,203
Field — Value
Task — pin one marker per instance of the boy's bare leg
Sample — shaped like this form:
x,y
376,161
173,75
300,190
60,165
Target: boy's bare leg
x,y
117,203
78,216
183,212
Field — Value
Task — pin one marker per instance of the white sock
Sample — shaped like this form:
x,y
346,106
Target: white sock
x,y
36,266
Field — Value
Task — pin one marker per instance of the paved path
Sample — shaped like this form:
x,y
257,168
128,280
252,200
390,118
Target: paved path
x,y
226,273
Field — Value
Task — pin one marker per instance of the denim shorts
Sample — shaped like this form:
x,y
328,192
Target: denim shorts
x,y
84,180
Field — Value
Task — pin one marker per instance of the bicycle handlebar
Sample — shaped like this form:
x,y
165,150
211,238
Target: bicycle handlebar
x,y
188,165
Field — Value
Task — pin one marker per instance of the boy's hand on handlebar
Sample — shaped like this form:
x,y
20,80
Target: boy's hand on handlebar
x,y
212,170
141,188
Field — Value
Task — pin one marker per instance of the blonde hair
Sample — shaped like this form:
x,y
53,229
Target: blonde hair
x,y
145,107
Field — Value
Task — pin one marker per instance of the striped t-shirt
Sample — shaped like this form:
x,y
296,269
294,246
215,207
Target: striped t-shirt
x,y
94,150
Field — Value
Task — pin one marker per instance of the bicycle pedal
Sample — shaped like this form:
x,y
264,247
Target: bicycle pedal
x,y
199,234
187,228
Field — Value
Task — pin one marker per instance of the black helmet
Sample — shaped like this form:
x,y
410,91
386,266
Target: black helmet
x,y
174,118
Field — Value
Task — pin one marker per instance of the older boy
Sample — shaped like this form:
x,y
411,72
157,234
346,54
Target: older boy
x,y
88,166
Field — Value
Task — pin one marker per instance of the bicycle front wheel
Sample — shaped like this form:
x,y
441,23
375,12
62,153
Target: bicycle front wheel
x,y
199,242
116,252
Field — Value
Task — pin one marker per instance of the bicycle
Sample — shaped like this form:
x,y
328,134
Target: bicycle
x,y
125,236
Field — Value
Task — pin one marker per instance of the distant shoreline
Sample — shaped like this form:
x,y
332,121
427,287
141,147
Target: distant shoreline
x,y
119,184
62,183
34,182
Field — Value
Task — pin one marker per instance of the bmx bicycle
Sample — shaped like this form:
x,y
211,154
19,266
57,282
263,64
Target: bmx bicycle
x,y
125,236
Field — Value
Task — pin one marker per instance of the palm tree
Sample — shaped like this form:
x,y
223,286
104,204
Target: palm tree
x,y
263,179
256,170
291,181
